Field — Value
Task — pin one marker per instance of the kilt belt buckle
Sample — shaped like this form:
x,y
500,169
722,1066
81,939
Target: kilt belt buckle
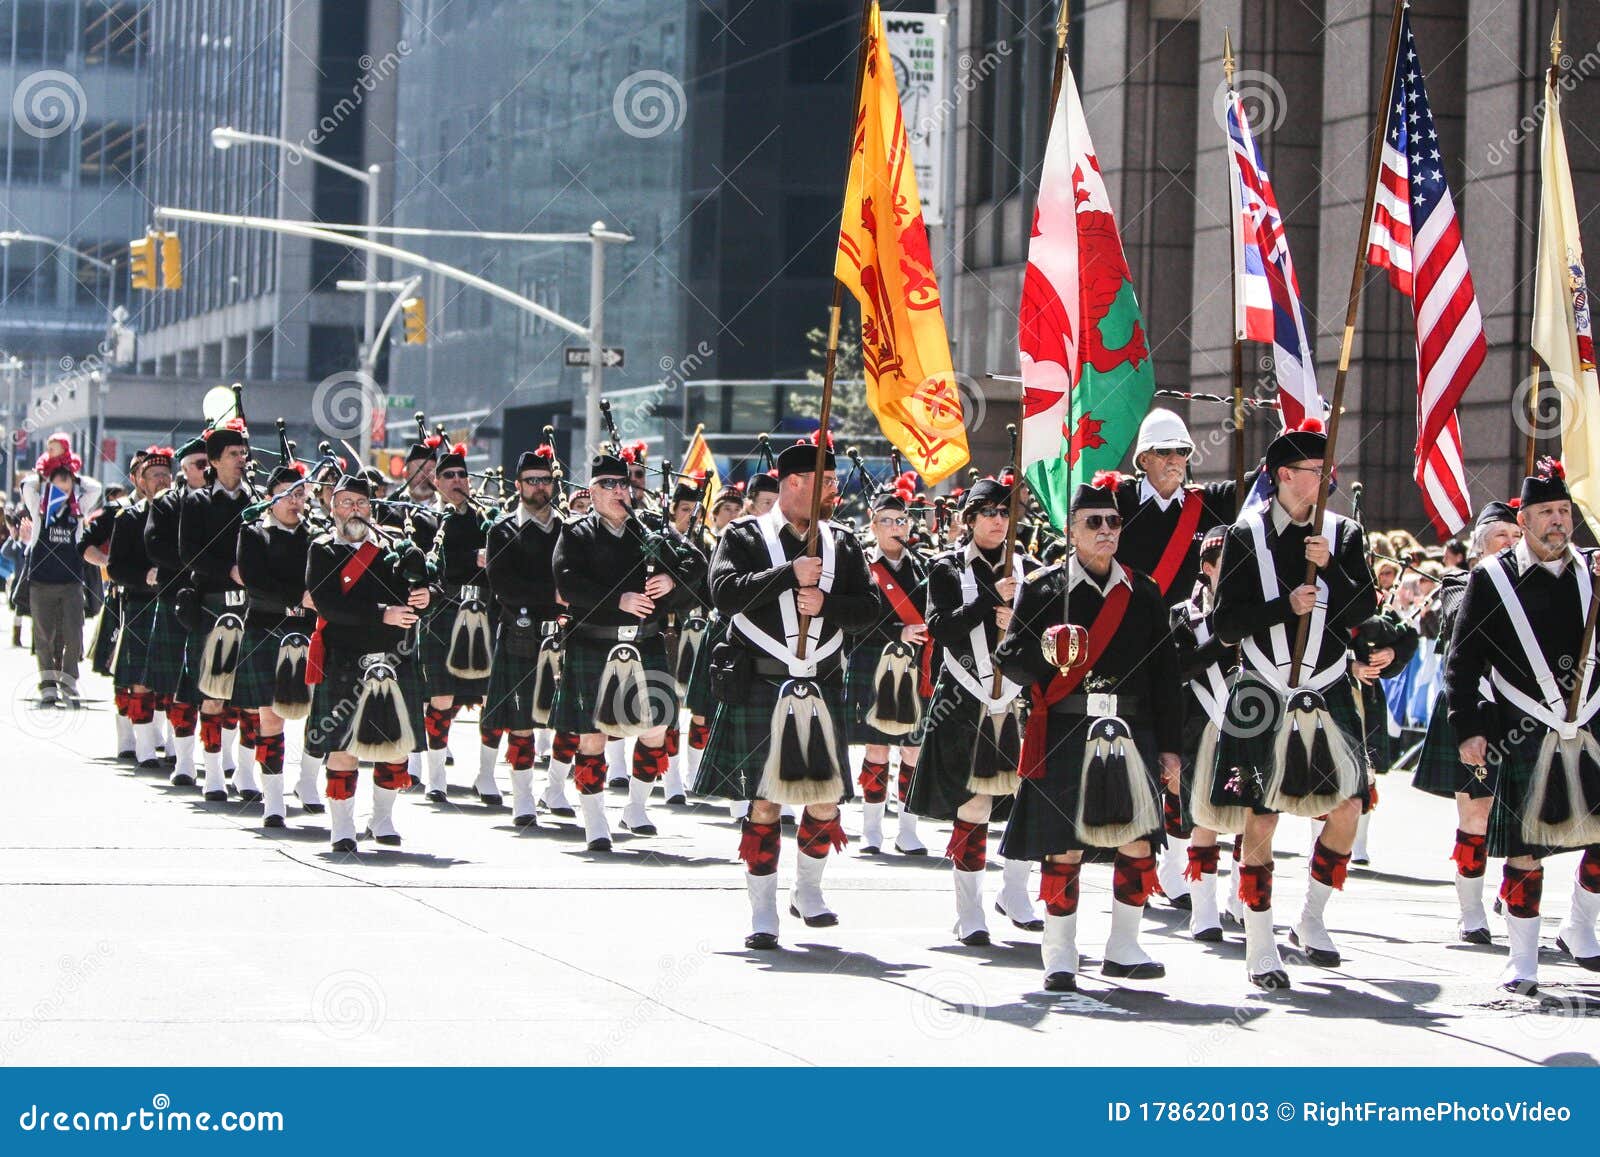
x,y
467,594
550,627
627,634
235,598
373,659
1099,704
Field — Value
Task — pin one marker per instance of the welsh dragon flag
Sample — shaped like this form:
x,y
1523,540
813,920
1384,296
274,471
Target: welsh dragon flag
x,y
1080,331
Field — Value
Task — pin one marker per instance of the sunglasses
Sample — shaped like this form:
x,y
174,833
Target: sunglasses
x,y
447,474
1096,521
993,512
536,480
610,484
1172,452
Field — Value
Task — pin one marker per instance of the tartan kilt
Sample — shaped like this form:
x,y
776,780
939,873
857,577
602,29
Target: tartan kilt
x,y
1244,748
132,652
1439,768
741,737
256,681
434,649
860,694
194,652
949,738
1044,817
1380,747
1512,761
509,702
699,699
333,701
164,670
103,653
579,688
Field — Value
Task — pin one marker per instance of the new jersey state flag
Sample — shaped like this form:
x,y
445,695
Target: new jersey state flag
x,y
884,261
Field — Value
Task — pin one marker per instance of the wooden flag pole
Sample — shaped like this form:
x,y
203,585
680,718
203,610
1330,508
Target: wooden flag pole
x,y
1537,365
825,407
1233,271
1302,630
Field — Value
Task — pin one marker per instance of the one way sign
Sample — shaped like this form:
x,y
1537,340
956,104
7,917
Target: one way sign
x,y
610,356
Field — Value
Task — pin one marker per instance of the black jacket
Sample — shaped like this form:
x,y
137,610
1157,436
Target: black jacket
x,y
129,561
272,563
1146,530
594,567
354,616
161,540
522,566
208,537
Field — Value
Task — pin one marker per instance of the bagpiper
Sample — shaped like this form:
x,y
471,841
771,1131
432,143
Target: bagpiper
x,y
95,546
138,578
619,579
778,733
686,629
1526,624
521,572
368,592
1292,745
1439,768
972,745
1090,641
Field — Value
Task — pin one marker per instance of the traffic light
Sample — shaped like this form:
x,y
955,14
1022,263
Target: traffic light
x,y
416,320
171,261
142,261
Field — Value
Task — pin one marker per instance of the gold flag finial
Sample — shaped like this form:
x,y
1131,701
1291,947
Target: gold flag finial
x,y
1063,18
1227,56
1555,42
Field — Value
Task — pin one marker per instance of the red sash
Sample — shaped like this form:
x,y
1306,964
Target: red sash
x,y
906,610
1035,738
349,574
1182,539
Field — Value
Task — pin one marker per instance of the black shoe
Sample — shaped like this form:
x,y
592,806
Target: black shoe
x,y
978,939
1274,981
488,800
438,797
677,800
913,852
601,845
313,809
128,757
1480,936
1520,988
619,784
1209,935
272,822
1146,970
1229,920
1361,863
392,841
1499,908
1184,902
216,797
344,846
821,920
182,781
868,850
787,821
1587,963
641,830
1025,925
526,821
1061,982
250,796
170,760
1321,957
761,941
565,813
449,760
149,765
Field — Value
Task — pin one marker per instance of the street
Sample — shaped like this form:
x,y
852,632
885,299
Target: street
x,y
144,927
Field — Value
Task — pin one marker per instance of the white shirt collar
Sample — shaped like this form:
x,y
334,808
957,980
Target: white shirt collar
x,y
1076,573
218,488
1281,520
523,516
1148,493
1524,559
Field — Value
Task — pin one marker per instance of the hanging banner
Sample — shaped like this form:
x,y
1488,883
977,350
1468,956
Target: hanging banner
x,y
916,43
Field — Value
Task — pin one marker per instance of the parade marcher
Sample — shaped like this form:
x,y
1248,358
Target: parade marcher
x,y
368,591
1381,649
890,669
1163,518
1292,748
130,566
270,681
727,506
969,608
619,581
1439,768
771,742
686,628
1089,639
208,545
166,671
457,647
95,547
1521,626
521,575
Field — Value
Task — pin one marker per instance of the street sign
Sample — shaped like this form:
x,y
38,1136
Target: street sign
x,y
610,356
402,402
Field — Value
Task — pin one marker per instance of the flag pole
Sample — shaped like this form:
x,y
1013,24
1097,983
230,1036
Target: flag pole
x,y
1538,367
1233,269
1302,630
825,407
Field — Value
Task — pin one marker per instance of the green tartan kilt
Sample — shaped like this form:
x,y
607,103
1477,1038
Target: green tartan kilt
x,y
195,651
164,670
255,683
1439,768
860,694
1244,748
1512,762
434,649
741,736
103,653
132,652
949,739
699,700
509,702
333,702
1375,716
581,667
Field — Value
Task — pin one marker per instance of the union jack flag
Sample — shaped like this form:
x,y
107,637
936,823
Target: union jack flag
x,y
1416,236
1267,305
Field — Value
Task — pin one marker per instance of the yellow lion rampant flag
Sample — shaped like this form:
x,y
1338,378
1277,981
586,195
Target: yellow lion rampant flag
x,y
699,459
885,262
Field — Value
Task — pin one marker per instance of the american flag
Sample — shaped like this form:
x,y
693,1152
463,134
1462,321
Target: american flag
x,y
1267,306
1416,236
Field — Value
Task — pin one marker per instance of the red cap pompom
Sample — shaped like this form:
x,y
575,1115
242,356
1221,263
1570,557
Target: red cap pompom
x,y
1549,467
235,423
811,440
1311,426
545,451
459,448
433,441
1515,503
1106,480
300,469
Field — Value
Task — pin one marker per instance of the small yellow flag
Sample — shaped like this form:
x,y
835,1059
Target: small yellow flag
x,y
885,262
699,459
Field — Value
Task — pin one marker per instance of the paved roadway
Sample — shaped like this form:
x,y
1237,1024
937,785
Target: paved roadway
x,y
143,926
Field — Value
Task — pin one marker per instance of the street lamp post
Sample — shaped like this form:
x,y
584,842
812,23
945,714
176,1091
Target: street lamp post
x,y
224,137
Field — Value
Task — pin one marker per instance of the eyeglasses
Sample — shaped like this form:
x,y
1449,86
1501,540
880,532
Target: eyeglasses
x,y
350,503
1303,469
993,512
902,521
609,484
536,480
452,474
1171,452
1096,521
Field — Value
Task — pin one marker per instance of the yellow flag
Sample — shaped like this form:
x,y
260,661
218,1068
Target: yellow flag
x,y
698,458
1562,334
885,262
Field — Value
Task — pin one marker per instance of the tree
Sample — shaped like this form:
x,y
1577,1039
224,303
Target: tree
x,y
850,418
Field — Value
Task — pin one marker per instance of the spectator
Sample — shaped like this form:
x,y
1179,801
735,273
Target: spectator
x,y
55,577
1455,554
